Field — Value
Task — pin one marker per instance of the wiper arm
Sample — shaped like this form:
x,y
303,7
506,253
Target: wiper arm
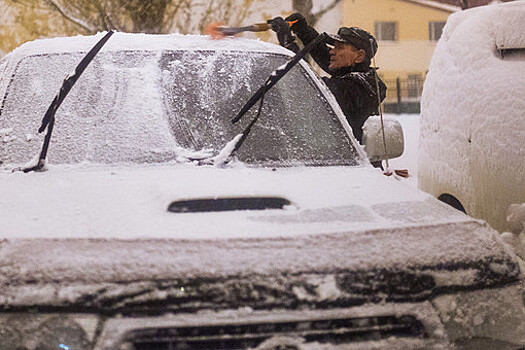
x,y
277,75
49,118
236,143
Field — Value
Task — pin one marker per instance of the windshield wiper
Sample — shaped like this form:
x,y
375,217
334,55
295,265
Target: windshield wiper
x,y
49,118
277,75
232,146
236,143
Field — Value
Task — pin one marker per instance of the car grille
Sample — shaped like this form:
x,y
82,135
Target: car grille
x,y
246,336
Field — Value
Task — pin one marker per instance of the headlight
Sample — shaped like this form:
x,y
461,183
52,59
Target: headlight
x,y
489,318
26,331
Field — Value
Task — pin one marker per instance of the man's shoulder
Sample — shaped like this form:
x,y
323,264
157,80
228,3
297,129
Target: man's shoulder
x,y
362,76
364,79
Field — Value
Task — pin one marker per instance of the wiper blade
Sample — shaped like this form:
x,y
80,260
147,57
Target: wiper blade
x,y
236,143
49,118
277,75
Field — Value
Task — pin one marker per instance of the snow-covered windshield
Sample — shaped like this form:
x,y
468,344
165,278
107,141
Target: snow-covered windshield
x,y
149,106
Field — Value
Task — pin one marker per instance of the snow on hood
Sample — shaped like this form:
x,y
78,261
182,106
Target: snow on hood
x,y
372,214
95,236
131,202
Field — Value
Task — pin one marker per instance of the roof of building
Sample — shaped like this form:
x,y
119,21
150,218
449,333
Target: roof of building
x,y
455,5
442,5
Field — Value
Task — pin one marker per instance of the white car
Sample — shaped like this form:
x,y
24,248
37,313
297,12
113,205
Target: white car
x,y
472,152
145,231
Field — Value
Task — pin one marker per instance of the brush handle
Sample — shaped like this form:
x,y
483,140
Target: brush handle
x,y
257,27
260,27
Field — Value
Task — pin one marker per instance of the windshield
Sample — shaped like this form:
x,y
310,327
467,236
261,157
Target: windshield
x,y
140,106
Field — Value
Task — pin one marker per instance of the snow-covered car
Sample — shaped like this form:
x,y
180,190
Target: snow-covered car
x,y
472,114
147,232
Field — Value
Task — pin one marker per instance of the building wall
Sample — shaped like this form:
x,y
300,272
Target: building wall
x,y
412,52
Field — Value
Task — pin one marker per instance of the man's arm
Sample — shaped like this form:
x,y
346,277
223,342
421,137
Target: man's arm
x,y
306,33
284,34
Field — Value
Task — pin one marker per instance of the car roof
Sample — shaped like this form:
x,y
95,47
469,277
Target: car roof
x,y
144,42
502,23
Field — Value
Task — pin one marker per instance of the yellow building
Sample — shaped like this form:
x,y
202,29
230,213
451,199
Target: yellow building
x,y
407,32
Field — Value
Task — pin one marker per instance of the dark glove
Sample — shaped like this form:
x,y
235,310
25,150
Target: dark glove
x,y
299,23
284,34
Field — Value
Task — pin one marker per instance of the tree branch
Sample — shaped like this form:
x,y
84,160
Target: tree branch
x,y
322,11
77,21
105,16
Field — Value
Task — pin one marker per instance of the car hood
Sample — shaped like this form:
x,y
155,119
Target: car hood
x,y
103,238
132,202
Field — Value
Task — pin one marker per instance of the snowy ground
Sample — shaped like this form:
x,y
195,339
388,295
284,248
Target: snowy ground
x,y
408,160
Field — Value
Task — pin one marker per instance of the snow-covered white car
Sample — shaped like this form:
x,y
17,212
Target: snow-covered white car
x,y
472,114
143,233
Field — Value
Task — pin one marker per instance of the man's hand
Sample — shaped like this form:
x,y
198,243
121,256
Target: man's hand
x,y
297,22
284,34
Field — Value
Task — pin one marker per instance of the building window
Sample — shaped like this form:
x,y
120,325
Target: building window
x,y
414,85
435,29
386,31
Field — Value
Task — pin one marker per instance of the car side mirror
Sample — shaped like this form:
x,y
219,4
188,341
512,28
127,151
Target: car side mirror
x,y
373,138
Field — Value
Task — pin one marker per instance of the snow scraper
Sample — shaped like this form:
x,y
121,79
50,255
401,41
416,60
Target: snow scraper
x,y
217,31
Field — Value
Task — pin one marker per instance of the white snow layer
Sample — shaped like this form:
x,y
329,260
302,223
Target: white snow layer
x,y
366,210
128,41
131,202
472,121
516,237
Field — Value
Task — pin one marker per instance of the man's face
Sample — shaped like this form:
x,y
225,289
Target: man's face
x,y
345,55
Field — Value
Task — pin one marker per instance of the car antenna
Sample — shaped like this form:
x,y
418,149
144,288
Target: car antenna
x,y
49,118
277,75
387,171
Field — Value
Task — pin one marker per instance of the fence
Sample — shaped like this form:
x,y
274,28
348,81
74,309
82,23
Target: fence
x,y
403,95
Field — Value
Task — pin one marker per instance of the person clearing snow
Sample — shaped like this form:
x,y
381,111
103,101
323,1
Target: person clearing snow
x,y
352,80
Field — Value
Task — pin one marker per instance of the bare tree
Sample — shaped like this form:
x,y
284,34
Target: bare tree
x,y
305,8
32,19
145,16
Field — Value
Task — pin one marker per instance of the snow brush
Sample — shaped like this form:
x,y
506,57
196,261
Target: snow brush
x,y
218,31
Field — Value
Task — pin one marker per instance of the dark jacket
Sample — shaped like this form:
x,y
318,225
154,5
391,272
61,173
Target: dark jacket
x,y
353,87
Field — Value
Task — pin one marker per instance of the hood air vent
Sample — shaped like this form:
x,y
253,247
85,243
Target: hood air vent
x,y
250,335
227,204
